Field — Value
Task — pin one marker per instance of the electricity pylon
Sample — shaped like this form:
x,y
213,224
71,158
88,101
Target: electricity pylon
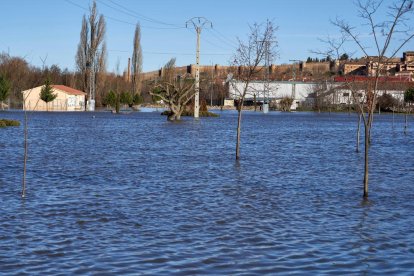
x,y
198,23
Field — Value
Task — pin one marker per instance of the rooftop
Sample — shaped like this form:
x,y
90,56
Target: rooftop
x,y
68,90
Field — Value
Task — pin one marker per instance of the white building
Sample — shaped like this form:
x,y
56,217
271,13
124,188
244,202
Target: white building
x,y
300,92
273,91
68,99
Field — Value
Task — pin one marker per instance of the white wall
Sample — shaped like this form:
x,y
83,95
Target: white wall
x,y
299,91
277,90
61,103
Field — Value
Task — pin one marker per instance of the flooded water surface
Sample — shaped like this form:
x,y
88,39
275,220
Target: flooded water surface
x,y
135,194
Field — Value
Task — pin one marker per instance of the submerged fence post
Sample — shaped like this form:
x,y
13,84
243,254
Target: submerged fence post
x,y
25,156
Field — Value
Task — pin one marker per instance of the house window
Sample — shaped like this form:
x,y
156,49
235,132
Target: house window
x,y
71,101
346,94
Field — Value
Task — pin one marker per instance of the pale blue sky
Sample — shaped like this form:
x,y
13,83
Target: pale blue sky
x,y
35,29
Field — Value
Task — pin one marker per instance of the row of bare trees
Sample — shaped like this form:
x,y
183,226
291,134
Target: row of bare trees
x,y
389,34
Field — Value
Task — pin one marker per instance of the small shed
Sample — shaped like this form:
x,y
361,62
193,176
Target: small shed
x,y
68,99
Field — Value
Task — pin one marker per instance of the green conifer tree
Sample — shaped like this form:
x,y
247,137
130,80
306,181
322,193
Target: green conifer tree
x,y
46,94
4,90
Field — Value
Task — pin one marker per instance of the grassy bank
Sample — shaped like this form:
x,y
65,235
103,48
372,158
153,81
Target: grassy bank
x,y
6,123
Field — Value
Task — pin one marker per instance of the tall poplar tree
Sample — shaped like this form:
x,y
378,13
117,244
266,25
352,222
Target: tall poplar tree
x,y
91,54
136,69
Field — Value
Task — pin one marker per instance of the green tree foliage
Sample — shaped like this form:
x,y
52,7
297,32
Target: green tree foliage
x,y
409,95
126,98
137,99
155,92
111,99
5,123
46,94
4,90
344,57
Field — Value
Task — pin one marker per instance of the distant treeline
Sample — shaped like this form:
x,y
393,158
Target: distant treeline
x,y
22,76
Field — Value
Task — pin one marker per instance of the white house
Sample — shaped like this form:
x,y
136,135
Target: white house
x,y
68,99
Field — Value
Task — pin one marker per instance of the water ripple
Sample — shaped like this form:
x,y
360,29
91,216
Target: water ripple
x,y
133,194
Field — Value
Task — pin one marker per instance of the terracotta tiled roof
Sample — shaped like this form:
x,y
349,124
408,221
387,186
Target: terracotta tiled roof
x,y
365,78
68,90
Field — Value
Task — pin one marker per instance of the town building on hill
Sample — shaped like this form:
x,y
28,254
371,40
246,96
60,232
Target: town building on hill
x,y
68,99
368,66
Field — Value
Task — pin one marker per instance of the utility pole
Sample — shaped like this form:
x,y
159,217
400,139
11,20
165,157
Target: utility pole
x,y
128,78
198,23
212,86
91,65
266,86
294,78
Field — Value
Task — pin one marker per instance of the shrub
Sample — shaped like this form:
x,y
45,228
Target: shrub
x,y
285,103
409,95
5,123
387,102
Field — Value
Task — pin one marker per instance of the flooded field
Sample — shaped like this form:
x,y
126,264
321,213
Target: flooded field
x,y
135,194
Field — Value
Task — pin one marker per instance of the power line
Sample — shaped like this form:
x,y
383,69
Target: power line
x,y
123,21
224,38
215,45
149,19
211,43
172,53
77,5
112,7
186,54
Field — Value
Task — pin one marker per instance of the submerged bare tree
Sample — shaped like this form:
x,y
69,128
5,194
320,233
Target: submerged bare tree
x,y
175,91
91,54
389,33
248,61
136,62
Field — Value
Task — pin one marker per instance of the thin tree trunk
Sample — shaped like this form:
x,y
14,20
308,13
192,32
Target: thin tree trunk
x,y
255,102
366,174
25,156
406,123
358,132
371,120
238,133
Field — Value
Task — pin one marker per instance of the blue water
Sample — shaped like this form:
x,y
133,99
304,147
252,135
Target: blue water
x,y
135,194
